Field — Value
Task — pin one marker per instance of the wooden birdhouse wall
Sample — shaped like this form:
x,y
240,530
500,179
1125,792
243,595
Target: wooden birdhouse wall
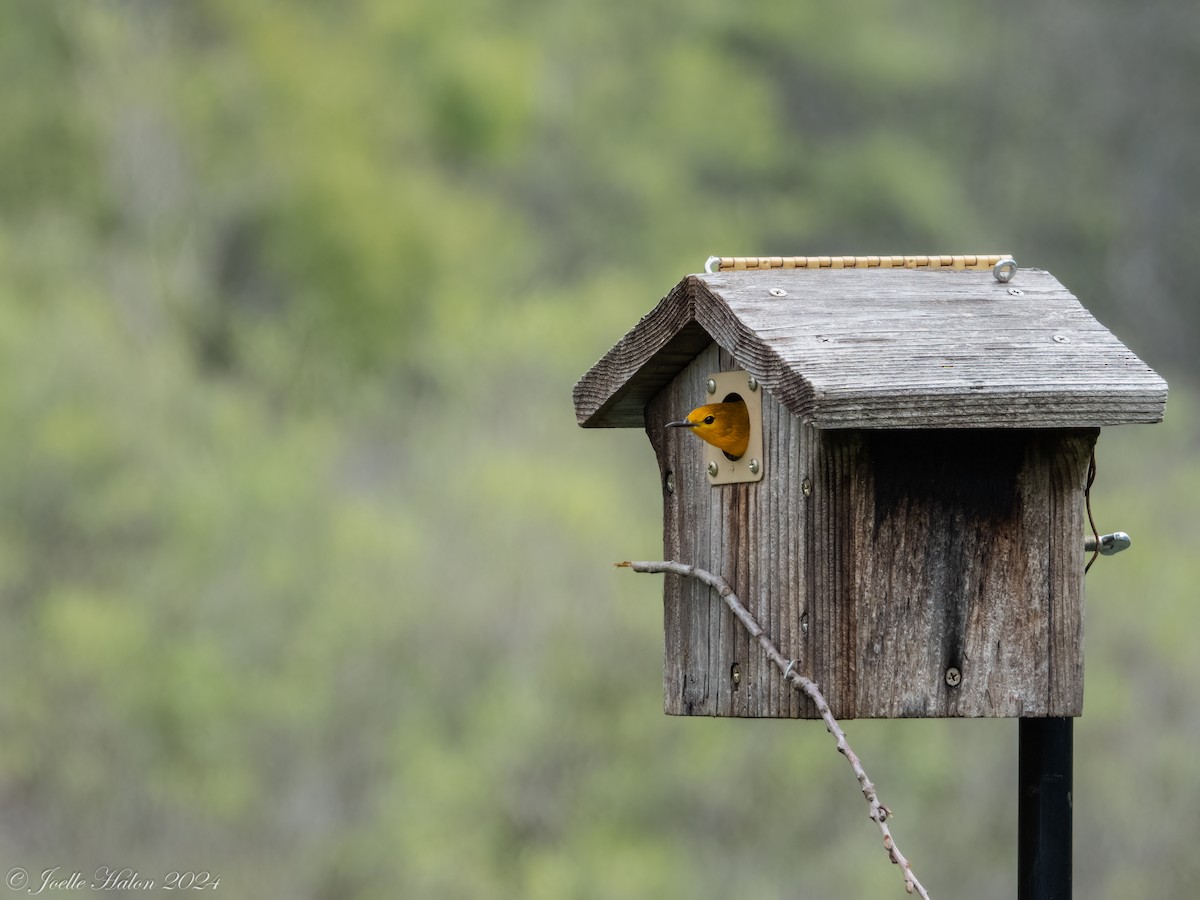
x,y
735,530
880,561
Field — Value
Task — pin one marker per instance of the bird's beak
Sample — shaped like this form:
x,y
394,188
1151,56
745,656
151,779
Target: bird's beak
x,y
684,424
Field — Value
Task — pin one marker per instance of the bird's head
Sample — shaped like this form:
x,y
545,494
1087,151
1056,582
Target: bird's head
x,y
724,425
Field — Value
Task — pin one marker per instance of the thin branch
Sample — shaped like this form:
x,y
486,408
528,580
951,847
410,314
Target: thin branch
x,y
879,813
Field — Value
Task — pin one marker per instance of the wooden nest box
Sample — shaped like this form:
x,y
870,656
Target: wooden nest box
x,y
908,520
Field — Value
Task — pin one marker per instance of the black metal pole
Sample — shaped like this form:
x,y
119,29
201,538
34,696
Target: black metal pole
x,y
1044,809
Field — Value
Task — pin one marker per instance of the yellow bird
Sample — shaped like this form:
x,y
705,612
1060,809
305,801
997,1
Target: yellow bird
x,y
724,425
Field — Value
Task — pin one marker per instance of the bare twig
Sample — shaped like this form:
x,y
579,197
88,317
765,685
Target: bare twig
x,y
879,813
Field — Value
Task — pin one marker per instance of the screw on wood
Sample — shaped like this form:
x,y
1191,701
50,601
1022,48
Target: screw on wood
x,y
953,677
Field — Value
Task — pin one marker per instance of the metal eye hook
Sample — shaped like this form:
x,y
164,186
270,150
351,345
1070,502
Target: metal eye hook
x,y
1005,270
1110,544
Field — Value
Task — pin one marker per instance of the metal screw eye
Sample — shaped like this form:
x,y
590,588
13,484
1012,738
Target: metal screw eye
x,y
1109,545
1005,269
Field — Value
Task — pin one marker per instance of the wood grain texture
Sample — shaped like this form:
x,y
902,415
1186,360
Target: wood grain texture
x,y
967,554
911,552
866,348
722,528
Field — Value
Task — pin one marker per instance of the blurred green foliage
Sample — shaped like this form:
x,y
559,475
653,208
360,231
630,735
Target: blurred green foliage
x,y
304,565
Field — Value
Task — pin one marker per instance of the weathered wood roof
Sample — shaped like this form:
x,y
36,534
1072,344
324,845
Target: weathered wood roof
x,y
896,348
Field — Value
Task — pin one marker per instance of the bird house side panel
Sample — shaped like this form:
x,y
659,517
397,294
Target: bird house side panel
x,y
751,535
1068,519
968,587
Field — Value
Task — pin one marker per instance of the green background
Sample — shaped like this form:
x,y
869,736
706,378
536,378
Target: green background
x,y
305,568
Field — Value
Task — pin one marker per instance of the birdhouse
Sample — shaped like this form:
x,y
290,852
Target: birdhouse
x,y
907,520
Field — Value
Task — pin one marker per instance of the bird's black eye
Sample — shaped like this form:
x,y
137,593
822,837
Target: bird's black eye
x,y
708,420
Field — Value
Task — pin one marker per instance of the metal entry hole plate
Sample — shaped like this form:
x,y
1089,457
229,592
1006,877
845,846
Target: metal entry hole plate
x,y
743,469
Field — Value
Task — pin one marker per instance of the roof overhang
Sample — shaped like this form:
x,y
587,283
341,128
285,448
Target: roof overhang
x,y
896,348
